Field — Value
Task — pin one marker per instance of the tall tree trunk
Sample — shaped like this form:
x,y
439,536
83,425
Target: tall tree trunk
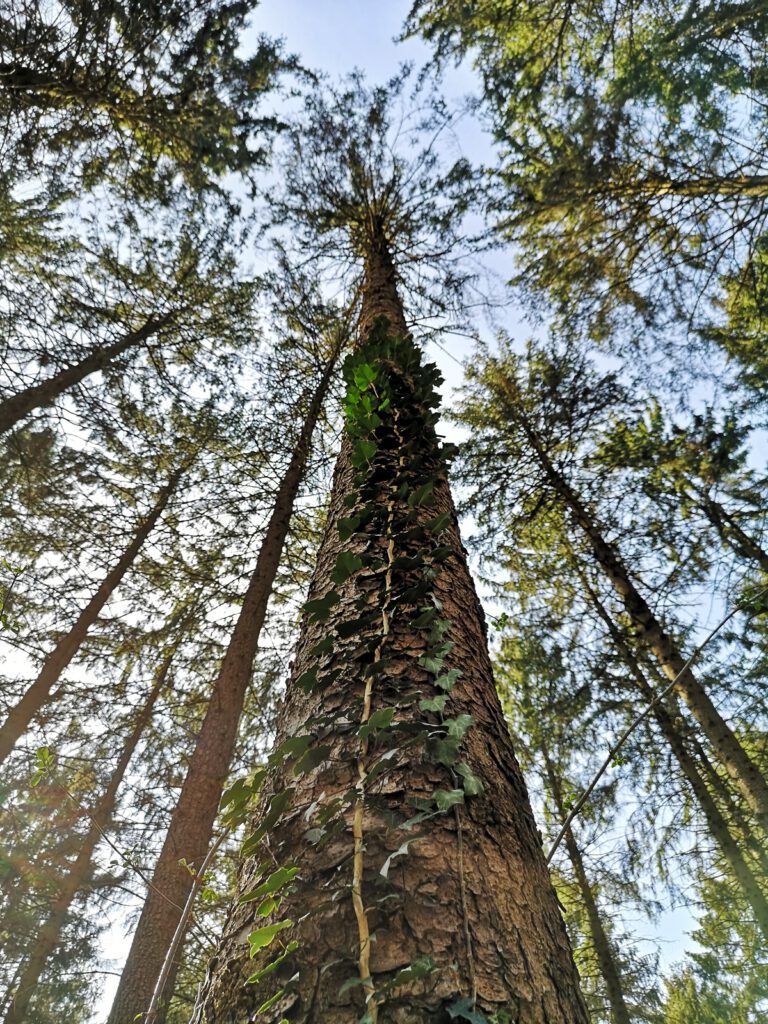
x,y
744,772
609,969
716,823
191,828
36,696
77,877
452,913
24,402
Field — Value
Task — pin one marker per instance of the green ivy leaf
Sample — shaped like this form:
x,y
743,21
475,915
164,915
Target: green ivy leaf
x,y
459,725
447,681
435,703
447,798
422,495
271,967
347,563
275,881
262,937
463,1009
325,646
471,784
439,523
277,805
347,525
312,758
320,608
380,719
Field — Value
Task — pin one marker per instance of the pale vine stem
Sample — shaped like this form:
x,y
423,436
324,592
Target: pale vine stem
x,y
181,928
636,722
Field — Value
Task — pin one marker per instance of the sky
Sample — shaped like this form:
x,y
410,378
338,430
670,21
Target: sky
x,y
337,36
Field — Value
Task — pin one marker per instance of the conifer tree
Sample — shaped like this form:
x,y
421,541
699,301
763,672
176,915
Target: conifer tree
x,y
390,713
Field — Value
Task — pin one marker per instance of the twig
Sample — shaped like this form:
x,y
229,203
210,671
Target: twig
x,y
634,724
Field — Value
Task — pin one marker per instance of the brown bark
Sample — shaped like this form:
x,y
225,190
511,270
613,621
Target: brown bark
x,y
606,962
78,876
191,827
744,772
36,696
24,402
472,892
716,823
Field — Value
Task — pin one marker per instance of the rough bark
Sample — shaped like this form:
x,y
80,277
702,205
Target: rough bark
x,y
79,874
472,891
24,402
606,961
67,647
716,822
745,774
191,827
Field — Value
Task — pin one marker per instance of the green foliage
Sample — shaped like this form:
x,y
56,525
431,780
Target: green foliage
x,y
629,174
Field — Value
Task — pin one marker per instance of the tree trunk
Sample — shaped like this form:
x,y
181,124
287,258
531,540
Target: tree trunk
x,y
79,874
404,922
608,967
36,696
191,828
716,823
745,774
731,533
24,402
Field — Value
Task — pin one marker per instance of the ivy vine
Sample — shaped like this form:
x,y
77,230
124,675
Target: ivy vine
x,y
395,543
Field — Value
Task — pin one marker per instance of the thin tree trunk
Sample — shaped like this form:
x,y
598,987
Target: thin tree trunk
x,y
37,695
606,961
731,533
24,402
77,877
191,827
468,897
744,772
716,823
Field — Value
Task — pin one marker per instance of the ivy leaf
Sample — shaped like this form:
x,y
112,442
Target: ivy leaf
x,y
382,764
447,798
439,523
325,646
311,759
351,982
271,967
445,751
307,681
364,376
435,703
415,971
275,881
363,453
462,1009
262,937
472,785
425,619
381,719
277,805
446,682
459,725
293,746
347,525
422,495
347,563
320,608
399,852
